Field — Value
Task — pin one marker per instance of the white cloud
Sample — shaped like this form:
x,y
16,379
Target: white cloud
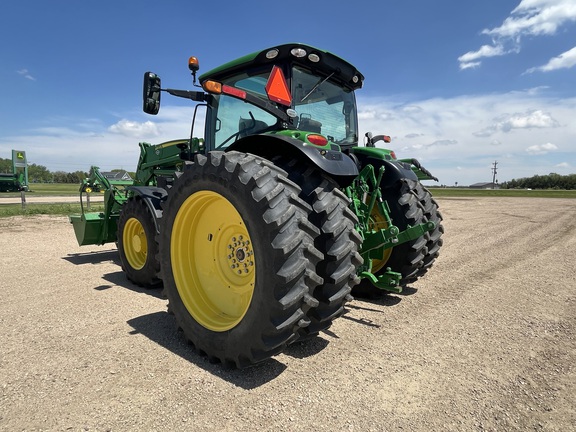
x,y
470,65
135,129
26,74
440,134
61,146
529,18
413,135
411,109
535,18
562,165
443,134
469,60
528,120
541,149
564,61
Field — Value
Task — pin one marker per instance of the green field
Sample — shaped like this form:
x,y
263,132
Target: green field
x,y
47,189
43,190
64,209
521,193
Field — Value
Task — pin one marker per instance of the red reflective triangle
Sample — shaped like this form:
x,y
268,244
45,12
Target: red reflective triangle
x,y
277,88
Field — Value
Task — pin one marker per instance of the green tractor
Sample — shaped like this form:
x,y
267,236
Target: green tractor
x,y
262,229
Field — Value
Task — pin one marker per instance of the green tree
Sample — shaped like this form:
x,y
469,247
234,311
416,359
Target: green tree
x,y
39,174
5,165
60,177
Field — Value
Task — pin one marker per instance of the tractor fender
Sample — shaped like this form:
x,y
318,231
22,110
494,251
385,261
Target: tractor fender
x,y
394,170
153,197
334,163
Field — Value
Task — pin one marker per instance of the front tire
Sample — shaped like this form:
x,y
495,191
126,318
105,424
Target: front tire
x,y
137,244
238,257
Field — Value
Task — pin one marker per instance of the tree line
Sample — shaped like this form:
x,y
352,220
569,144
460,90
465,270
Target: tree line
x,y
41,174
549,181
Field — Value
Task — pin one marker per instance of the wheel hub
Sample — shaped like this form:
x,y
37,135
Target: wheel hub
x,y
137,243
241,257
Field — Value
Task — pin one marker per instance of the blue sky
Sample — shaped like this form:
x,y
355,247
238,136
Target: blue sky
x,y
457,84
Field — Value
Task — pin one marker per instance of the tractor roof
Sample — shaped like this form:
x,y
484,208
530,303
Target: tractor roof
x,y
315,59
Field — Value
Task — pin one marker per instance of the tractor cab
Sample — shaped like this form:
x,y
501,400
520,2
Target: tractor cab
x,y
293,90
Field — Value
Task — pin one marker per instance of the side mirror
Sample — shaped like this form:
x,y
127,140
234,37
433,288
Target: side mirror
x,y
151,93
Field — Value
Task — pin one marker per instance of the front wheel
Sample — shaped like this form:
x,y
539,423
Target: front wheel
x,y
137,243
238,257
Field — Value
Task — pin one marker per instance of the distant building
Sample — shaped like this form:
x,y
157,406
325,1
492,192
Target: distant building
x,y
117,175
486,185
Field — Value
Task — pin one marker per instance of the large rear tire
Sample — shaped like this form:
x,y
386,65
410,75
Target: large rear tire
x,y
338,241
137,244
238,257
433,238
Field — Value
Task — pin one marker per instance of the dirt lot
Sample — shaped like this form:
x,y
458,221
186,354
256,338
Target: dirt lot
x,y
486,341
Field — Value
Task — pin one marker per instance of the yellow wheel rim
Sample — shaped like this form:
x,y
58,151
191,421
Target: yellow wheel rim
x,y
212,261
377,223
135,243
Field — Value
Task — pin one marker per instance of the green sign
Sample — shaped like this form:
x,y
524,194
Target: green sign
x,y
19,158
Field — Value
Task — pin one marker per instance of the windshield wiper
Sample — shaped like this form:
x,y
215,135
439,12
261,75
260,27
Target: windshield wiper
x,y
318,84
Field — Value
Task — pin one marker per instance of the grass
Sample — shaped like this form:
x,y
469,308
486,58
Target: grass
x,y
50,189
521,193
7,210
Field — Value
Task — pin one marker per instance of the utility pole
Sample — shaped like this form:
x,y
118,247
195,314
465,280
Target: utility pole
x,y
494,171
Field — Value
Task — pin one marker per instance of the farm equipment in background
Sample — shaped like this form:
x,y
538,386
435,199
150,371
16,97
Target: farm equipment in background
x,y
17,180
260,231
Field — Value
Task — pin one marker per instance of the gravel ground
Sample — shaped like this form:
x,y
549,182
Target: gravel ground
x,y
485,341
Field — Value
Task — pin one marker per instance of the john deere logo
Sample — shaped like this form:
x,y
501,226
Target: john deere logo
x,y
20,155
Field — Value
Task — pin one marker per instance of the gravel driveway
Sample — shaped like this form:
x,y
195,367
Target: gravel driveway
x,y
485,341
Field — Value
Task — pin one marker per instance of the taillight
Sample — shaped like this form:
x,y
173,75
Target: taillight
x,y
393,155
232,91
318,140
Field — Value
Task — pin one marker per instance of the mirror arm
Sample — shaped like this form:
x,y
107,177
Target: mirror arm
x,y
187,94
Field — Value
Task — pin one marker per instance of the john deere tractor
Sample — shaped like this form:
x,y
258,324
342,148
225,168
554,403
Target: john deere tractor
x,y
261,229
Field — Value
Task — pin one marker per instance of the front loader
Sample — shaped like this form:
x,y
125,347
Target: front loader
x,y
261,230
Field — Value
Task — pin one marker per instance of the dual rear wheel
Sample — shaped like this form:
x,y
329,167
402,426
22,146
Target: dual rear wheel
x,y
238,257
255,255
